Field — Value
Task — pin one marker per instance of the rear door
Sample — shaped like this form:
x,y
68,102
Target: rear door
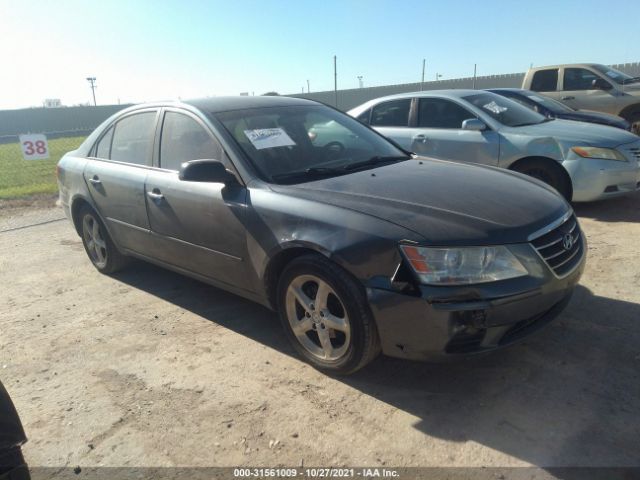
x,y
391,119
115,176
197,225
438,133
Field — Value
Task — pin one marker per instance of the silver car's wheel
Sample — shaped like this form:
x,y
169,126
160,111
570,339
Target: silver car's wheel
x,y
318,318
94,240
325,315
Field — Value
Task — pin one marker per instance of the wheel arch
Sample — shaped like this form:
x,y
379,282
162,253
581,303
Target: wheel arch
x,y
76,205
285,255
555,164
630,110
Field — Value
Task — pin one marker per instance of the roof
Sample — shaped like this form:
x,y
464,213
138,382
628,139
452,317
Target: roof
x,y
223,104
564,65
456,93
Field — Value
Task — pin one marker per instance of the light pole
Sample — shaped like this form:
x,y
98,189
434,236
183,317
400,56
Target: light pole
x,y
308,89
92,83
438,76
424,60
360,81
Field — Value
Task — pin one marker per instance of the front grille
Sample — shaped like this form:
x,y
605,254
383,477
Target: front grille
x,y
634,152
552,247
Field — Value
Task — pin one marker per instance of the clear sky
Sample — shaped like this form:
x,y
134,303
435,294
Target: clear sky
x,y
143,50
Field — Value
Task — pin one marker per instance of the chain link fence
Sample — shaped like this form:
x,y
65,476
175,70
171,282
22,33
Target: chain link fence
x,y
24,175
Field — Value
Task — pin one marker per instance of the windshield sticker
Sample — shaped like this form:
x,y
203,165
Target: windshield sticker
x,y
269,138
495,108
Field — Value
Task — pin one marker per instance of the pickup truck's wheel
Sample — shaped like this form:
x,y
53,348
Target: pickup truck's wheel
x,y
548,172
325,315
98,244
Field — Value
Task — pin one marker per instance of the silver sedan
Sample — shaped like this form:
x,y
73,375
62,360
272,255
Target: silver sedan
x,y
584,162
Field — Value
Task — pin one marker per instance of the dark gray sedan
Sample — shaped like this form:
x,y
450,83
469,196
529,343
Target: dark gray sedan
x,y
360,247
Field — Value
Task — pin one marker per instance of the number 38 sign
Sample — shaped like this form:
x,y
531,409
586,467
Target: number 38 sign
x,y
34,146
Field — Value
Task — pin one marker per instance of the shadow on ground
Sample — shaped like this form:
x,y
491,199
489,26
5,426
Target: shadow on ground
x,y
569,396
621,209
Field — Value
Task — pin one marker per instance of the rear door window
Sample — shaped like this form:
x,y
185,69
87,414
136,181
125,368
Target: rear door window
x,y
545,81
133,138
394,113
103,150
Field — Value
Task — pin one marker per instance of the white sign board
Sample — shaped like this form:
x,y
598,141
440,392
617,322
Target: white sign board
x,y
269,138
34,146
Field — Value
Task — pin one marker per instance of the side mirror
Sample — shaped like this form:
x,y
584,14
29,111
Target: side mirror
x,y
601,84
206,171
474,125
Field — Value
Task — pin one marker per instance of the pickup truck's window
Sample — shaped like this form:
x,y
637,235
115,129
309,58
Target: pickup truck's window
x,y
545,81
184,139
133,138
616,75
391,114
578,79
104,145
441,113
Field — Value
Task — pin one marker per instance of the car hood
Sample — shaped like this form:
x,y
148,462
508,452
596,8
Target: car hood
x,y
576,133
446,203
591,116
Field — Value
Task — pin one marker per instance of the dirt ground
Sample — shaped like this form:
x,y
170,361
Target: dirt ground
x,y
150,368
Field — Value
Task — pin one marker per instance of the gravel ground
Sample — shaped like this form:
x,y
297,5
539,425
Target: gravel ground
x,y
150,368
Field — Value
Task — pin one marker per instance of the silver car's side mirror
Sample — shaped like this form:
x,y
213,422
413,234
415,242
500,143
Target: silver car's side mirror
x,y
474,124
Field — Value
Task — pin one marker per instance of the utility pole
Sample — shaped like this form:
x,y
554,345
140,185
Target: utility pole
x,y
360,81
335,80
92,82
474,75
308,89
423,67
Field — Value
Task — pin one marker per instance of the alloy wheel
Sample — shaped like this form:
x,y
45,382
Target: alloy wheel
x,y
94,241
318,318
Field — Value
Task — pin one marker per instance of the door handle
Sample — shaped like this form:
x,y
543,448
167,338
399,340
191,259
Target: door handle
x,y
95,180
155,195
568,98
420,138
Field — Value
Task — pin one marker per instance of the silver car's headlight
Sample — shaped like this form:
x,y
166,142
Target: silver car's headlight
x,y
599,153
464,265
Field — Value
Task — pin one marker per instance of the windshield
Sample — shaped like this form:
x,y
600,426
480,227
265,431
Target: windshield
x,y
294,144
553,105
503,110
616,75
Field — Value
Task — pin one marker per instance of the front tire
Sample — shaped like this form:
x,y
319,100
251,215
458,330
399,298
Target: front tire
x,y
98,244
325,315
548,172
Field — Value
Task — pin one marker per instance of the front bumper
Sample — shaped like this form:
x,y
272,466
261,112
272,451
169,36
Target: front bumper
x,y
434,323
599,179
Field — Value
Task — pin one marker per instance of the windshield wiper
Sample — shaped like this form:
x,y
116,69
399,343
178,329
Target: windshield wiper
x,y
309,172
373,161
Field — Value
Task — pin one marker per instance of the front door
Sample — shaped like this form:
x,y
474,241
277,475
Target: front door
x,y
578,92
439,134
197,226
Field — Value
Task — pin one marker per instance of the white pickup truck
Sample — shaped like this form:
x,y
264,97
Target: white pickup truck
x,y
589,86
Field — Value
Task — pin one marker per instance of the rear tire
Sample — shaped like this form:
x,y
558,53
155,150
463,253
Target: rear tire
x,y
98,244
548,172
325,315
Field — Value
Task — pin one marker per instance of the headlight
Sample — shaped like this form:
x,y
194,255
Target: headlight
x,y
462,266
600,153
